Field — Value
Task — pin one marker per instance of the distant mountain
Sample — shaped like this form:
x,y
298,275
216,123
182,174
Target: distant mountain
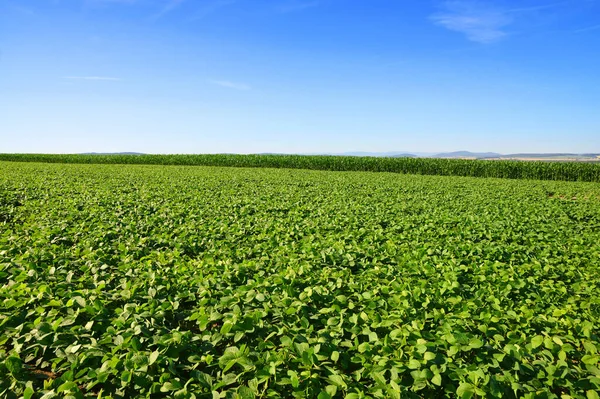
x,y
379,154
404,156
467,154
540,155
557,157
112,153
550,155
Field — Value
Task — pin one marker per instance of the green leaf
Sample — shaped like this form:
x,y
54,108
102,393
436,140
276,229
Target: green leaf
x,y
537,341
172,385
226,327
28,392
590,347
465,391
13,364
80,301
246,393
591,360
337,380
293,378
48,395
67,386
331,390
335,355
592,394
414,364
364,347
153,357
126,376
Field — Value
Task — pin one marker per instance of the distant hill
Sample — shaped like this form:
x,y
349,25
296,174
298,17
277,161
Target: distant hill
x,y
541,155
552,157
113,153
393,154
467,154
404,156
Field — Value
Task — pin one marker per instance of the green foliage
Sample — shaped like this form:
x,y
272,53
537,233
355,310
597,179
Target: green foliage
x,y
148,281
539,170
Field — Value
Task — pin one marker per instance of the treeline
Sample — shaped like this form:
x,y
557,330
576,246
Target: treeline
x,y
569,171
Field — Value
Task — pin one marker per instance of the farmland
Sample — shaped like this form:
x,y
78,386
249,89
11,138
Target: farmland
x,y
214,282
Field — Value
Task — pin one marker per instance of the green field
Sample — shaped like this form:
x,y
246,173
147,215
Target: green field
x,y
129,281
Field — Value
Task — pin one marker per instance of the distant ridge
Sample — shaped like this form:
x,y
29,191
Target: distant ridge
x,y
404,156
467,154
379,154
550,157
542,155
112,153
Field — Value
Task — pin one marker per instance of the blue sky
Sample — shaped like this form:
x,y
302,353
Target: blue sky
x,y
299,76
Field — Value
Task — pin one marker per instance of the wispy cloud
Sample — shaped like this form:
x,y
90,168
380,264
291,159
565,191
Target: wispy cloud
x,y
539,7
587,29
169,6
209,8
480,23
483,22
292,6
92,78
230,85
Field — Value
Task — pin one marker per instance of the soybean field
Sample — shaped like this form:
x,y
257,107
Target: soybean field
x,y
151,281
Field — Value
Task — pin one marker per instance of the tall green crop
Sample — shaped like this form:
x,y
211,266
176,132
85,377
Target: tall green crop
x,y
569,171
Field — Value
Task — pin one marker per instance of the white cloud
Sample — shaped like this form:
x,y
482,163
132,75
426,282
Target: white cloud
x,y
169,6
588,29
483,21
480,23
91,78
230,85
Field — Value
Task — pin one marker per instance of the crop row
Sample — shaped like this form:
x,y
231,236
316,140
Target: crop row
x,y
568,171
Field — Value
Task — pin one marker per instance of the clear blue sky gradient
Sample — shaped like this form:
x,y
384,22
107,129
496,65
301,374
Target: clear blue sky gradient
x,y
299,76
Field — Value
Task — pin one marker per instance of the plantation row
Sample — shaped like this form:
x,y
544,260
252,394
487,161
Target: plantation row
x,y
569,171
205,282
